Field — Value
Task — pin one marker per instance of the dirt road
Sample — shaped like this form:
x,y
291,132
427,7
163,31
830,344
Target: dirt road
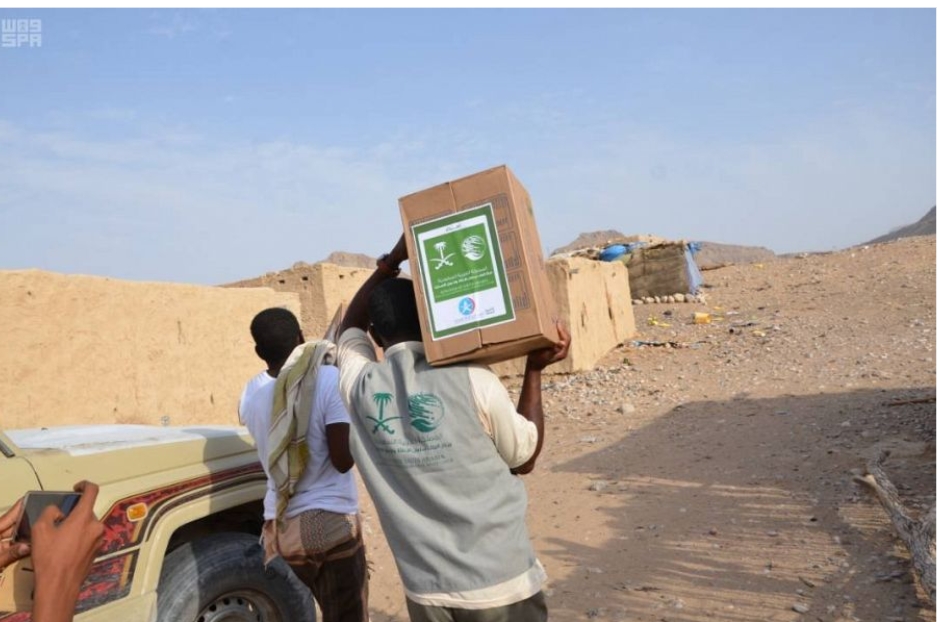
x,y
705,471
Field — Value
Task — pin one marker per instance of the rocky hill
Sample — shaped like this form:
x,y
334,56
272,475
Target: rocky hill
x,y
350,260
925,226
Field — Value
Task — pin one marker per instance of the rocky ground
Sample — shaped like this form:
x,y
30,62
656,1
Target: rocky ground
x,y
705,471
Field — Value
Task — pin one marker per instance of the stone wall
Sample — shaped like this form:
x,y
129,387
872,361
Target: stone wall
x,y
321,287
81,349
659,270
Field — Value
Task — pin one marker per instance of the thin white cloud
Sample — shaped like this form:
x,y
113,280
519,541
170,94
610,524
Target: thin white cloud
x,y
831,184
171,204
283,200
177,25
113,113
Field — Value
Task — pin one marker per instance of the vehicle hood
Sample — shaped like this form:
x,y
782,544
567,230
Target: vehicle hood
x,y
60,456
80,440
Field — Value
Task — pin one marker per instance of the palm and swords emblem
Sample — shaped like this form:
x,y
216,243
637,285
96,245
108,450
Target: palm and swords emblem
x,y
442,260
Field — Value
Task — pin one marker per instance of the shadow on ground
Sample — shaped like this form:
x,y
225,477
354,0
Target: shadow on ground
x,y
745,510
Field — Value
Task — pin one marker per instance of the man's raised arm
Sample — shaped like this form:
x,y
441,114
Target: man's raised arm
x,y
530,405
389,266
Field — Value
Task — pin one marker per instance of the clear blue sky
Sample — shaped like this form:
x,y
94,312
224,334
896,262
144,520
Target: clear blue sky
x,y
207,146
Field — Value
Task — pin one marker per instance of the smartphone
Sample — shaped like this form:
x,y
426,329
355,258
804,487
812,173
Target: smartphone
x,y
35,502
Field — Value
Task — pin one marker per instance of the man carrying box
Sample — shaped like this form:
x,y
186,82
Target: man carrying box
x,y
439,449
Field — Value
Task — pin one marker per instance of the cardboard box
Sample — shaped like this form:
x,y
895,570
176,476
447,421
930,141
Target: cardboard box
x,y
479,272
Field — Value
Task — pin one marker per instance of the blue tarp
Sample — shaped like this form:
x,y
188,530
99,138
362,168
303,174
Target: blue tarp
x,y
693,272
615,251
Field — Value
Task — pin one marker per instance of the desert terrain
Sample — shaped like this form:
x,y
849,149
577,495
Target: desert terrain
x,y
705,471
700,472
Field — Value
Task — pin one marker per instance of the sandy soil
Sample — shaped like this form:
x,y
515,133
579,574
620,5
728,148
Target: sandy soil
x,y
705,471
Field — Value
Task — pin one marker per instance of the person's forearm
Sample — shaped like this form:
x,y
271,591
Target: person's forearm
x,y
338,444
63,550
529,403
531,408
55,598
356,316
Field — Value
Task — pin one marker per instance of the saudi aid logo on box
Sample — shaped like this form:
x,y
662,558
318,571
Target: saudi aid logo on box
x,y
462,272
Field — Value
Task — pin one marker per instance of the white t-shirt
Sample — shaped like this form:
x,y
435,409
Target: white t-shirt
x,y
322,486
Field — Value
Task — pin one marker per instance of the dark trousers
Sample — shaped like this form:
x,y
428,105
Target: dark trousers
x,y
533,609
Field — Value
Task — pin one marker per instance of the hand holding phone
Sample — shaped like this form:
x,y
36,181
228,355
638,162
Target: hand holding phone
x,y
35,502
63,549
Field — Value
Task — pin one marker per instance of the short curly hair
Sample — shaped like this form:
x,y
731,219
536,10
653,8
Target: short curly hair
x,y
392,309
276,332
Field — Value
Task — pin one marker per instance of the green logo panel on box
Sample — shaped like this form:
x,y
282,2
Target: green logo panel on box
x,y
462,272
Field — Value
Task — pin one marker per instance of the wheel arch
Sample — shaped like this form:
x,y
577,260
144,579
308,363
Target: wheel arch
x,y
235,509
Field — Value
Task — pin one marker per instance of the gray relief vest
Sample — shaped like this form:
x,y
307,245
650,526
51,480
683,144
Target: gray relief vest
x,y
453,514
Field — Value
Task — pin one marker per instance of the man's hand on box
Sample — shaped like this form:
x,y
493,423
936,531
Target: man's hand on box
x,y
539,359
398,254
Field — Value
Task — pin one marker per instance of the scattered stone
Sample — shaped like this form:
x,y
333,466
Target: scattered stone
x,y
800,608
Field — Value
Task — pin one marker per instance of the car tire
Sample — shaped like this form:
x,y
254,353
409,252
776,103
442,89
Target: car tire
x,y
222,577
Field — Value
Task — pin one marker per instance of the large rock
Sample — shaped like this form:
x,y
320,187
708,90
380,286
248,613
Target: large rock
x,y
83,349
322,288
350,260
594,301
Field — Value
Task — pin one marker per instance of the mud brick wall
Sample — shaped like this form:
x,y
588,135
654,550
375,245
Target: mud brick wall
x,y
82,349
321,288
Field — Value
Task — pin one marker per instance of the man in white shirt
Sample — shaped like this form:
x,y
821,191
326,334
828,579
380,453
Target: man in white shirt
x,y
320,536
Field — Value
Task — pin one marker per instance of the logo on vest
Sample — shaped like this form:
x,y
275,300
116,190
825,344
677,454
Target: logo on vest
x,y
426,411
381,422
